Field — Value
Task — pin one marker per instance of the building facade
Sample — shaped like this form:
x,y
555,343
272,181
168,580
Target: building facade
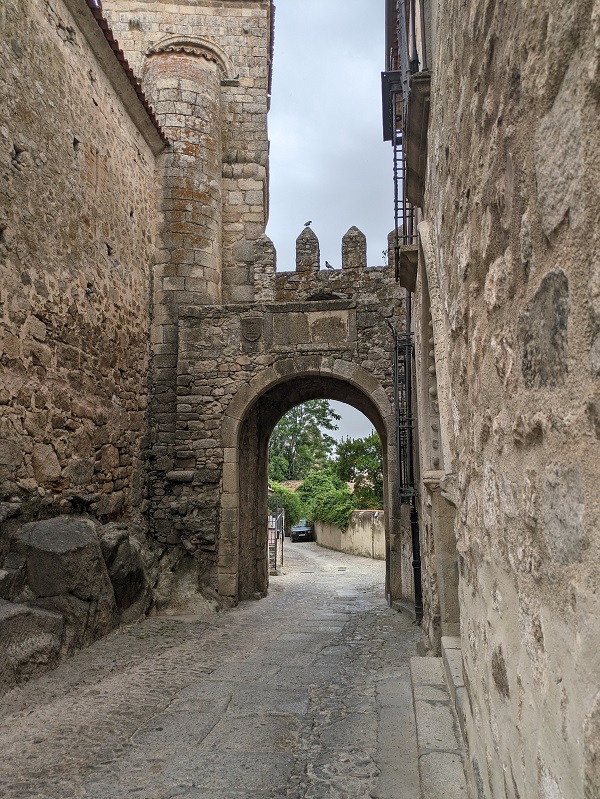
x,y
495,121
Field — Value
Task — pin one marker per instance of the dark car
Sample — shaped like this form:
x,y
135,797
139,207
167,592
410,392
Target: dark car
x,y
302,531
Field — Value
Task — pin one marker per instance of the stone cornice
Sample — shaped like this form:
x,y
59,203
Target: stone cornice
x,y
198,48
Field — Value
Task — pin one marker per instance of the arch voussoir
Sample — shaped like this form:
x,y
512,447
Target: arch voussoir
x,y
255,410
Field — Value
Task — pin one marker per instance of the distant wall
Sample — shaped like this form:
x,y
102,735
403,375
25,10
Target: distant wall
x,y
77,231
365,535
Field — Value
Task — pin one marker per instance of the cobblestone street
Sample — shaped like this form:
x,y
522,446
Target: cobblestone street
x,y
303,694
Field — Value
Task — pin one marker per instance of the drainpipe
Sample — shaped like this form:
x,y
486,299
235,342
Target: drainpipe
x,y
403,47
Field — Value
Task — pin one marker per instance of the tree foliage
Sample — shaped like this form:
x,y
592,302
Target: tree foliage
x,y
300,449
299,443
360,461
291,502
326,498
319,483
335,508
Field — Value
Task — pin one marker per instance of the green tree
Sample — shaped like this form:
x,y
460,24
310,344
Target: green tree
x,y
335,507
299,443
360,461
319,483
326,498
292,504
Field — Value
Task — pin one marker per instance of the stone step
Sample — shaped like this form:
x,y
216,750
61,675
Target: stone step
x,y
439,741
453,669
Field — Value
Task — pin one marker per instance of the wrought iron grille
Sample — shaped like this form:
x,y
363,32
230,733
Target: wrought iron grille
x,y
404,347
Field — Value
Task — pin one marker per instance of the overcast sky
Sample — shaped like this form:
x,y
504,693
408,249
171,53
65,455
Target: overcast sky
x,y
328,161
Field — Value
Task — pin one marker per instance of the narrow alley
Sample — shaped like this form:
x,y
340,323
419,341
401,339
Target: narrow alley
x,y
305,693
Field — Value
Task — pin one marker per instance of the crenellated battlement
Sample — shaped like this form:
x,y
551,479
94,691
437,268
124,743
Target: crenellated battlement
x,y
308,254
310,280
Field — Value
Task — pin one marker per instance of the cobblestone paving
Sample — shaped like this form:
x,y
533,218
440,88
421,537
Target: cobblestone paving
x,y
303,695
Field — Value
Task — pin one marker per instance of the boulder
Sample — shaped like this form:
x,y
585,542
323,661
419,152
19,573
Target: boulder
x,y
85,622
63,556
30,643
126,569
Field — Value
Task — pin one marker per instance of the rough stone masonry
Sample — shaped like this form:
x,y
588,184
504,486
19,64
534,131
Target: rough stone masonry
x,y
148,344
507,345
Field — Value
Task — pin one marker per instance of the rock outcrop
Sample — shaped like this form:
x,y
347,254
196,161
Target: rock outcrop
x,y
65,583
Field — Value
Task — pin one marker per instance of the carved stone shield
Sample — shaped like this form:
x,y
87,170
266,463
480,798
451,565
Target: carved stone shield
x,y
252,327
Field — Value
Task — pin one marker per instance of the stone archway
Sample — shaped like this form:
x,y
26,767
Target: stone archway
x,y
320,334
250,419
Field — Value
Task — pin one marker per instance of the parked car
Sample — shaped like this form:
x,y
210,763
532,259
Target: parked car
x,y
303,531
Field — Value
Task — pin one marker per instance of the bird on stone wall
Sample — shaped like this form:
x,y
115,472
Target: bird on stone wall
x,y
328,265
308,224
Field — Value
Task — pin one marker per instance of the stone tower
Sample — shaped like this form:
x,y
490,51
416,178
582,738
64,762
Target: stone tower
x,y
206,72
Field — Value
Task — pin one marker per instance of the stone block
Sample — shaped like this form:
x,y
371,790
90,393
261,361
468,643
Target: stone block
x,y
182,476
563,511
109,458
44,462
350,371
30,642
79,472
559,161
230,455
111,504
63,556
11,454
442,776
436,724
427,671
207,476
230,477
227,585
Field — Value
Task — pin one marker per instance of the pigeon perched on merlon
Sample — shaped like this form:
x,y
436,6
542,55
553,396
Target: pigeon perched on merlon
x,y
328,265
308,224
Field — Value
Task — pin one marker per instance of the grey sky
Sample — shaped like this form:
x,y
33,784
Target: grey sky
x,y
353,423
328,161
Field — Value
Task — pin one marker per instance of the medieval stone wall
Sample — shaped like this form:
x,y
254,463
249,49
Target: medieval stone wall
x,y
78,219
308,323
206,70
512,212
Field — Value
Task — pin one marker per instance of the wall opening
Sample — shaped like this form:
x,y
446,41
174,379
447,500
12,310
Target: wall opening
x,y
252,444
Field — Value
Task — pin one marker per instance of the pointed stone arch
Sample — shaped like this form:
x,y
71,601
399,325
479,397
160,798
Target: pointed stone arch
x,y
247,425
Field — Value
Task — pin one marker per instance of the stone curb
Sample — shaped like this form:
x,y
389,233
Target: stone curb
x,y
439,742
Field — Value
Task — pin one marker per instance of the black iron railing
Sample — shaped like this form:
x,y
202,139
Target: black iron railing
x,y
403,357
405,429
